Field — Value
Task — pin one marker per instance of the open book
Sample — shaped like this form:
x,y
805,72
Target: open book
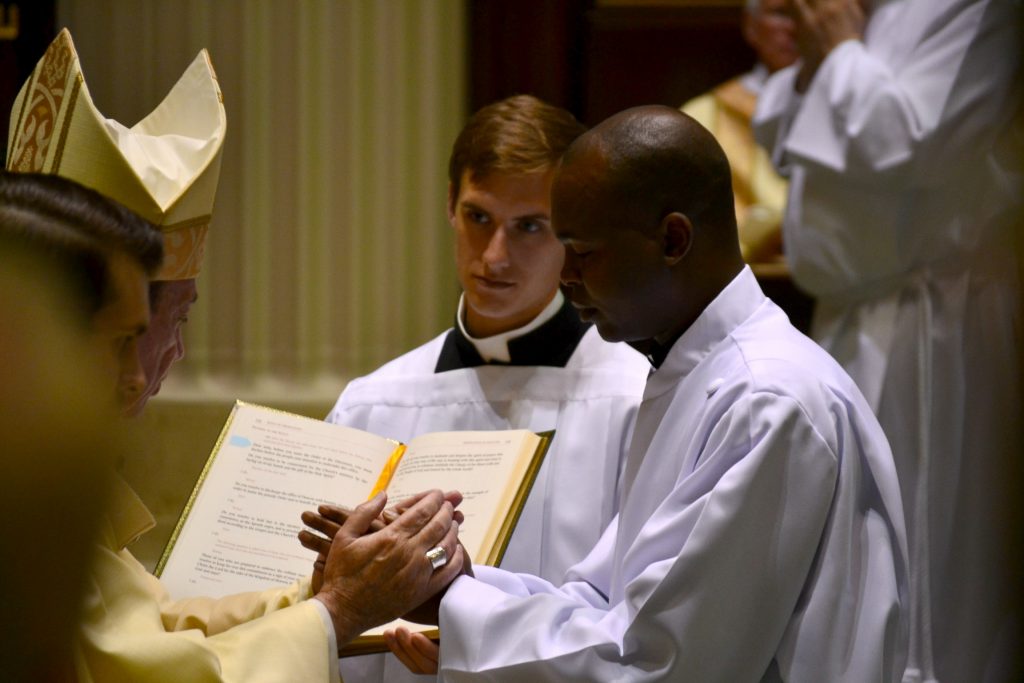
x,y
239,528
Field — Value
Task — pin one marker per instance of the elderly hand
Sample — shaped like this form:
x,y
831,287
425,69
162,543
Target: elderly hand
x,y
821,26
371,576
415,650
329,518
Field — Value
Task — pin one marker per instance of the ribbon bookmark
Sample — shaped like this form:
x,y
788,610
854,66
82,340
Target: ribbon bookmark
x,y
389,470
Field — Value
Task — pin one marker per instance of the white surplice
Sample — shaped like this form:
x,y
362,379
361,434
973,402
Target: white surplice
x,y
904,192
590,403
759,536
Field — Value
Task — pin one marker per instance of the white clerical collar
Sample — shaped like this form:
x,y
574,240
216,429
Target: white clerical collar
x,y
495,347
733,305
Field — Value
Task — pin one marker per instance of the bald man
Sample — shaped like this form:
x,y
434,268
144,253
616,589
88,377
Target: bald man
x,y
760,534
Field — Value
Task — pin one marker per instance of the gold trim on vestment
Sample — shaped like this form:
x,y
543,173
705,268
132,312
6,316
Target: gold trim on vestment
x,y
58,155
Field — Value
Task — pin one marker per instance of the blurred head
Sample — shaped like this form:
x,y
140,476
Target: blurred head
x,y
60,444
110,253
499,205
770,28
73,272
643,203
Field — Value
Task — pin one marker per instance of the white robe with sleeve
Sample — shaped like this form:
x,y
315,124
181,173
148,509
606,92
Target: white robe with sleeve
x,y
590,403
904,195
759,537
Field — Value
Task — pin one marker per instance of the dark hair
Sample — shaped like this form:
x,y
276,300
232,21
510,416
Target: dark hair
x,y
79,229
520,134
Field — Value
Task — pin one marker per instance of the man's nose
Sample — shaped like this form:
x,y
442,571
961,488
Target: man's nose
x,y
132,382
496,253
570,274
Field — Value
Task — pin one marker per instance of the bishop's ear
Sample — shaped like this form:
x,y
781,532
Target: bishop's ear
x,y
677,232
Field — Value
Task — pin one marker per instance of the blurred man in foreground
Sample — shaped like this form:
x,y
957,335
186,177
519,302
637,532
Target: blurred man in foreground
x,y
58,325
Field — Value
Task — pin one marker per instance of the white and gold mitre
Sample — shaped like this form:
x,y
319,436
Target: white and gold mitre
x,y
165,167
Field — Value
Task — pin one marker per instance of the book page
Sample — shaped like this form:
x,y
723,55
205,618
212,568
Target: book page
x,y
240,533
373,640
486,467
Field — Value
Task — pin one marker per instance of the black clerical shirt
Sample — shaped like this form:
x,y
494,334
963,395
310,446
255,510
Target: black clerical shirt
x,y
551,344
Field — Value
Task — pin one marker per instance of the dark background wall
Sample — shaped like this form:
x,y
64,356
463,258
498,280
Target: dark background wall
x,y
598,57
26,28
593,57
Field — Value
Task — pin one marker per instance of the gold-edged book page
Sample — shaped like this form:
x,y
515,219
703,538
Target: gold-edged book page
x,y
373,640
195,492
238,532
490,546
535,453
486,467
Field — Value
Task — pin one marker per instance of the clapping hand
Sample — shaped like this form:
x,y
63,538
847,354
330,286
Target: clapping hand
x,y
821,26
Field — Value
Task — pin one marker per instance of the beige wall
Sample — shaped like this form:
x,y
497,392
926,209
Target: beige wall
x,y
329,252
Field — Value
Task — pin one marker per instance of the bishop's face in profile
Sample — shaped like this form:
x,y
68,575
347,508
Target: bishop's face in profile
x,y
162,345
506,254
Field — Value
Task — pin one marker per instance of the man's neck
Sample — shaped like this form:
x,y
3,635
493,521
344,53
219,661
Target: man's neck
x,y
697,296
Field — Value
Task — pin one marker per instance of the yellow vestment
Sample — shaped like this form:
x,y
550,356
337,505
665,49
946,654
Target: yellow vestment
x,y
132,631
759,191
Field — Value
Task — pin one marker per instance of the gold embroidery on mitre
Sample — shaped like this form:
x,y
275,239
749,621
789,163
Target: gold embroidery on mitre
x,y
42,109
184,246
59,152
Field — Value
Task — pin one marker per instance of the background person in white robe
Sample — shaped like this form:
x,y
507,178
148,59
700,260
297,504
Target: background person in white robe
x,y
760,530
518,356
904,198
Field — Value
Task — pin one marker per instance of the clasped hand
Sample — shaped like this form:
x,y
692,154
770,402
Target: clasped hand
x,y
371,566
821,26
